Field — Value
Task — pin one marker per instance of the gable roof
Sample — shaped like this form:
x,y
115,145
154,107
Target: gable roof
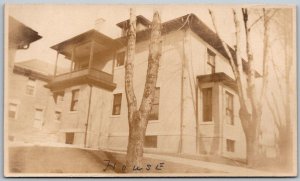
x,y
37,68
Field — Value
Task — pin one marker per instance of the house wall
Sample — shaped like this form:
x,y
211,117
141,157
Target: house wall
x,y
22,128
100,110
94,106
74,121
212,136
233,132
167,128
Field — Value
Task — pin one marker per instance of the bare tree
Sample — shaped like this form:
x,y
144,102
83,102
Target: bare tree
x,y
250,114
138,118
282,118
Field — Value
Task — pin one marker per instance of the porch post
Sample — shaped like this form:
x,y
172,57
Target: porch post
x,y
55,67
72,59
91,54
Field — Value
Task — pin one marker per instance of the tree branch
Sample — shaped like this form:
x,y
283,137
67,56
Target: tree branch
x,y
265,55
131,99
236,68
274,115
155,49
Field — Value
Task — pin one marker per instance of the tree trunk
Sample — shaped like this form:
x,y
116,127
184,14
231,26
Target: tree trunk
x,y
137,130
138,119
256,111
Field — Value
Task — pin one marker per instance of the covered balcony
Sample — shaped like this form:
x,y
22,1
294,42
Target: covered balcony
x,y
87,59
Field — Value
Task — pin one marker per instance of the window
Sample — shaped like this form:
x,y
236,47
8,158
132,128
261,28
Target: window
x,y
211,56
30,87
38,118
69,138
207,104
74,102
150,142
57,115
154,112
230,145
12,110
117,104
229,108
120,59
59,97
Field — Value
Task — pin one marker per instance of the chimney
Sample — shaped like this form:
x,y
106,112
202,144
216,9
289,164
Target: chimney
x,y
99,24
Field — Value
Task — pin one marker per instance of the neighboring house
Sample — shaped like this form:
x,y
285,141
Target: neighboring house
x,y
29,102
195,109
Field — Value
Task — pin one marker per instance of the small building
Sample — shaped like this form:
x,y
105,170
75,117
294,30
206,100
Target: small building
x,y
195,110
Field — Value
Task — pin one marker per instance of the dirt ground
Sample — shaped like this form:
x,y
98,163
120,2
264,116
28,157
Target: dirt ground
x,y
38,159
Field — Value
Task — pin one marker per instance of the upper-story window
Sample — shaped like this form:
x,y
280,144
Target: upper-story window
x,y
211,61
59,97
30,87
38,118
74,101
154,112
117,104
207,104
120,59
57,115
229,108
12,110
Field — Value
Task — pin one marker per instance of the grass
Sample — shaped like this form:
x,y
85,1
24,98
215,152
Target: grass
x,y
39,159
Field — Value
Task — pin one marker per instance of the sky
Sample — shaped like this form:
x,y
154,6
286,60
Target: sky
x,y
56,23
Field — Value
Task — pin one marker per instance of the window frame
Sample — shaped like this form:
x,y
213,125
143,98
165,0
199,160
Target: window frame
x,y
41,120
227,96
116,59
155,139
59,96
114,113
74,101
58,120
33,86
204,105
16,111
211,56
230,145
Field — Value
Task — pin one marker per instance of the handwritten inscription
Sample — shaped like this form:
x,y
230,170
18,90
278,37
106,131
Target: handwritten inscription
x,y
148,167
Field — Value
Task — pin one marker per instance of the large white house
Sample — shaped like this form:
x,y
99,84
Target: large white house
x,y
195,110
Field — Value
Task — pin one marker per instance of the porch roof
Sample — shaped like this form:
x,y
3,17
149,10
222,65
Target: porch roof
x,y
104,42
218,77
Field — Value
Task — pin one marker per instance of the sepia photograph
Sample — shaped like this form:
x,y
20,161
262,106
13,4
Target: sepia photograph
x,y
165,90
